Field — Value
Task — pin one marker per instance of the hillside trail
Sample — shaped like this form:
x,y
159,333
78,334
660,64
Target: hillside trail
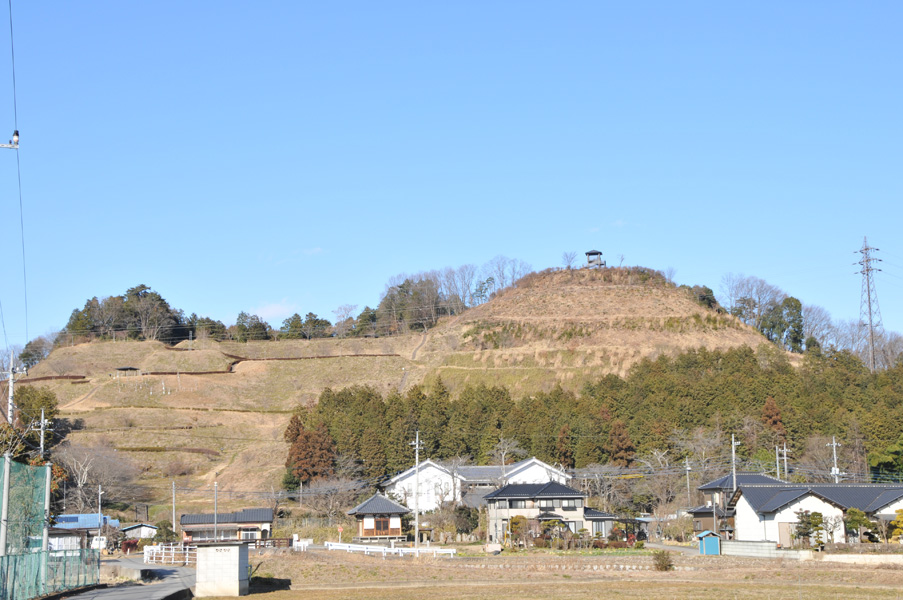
x,y
404,377
419,346
81,398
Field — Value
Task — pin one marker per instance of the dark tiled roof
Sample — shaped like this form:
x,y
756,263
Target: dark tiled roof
x,y
247,515
547,516
706,511
378,505
475,499
534,490
727,482
864,496
593,514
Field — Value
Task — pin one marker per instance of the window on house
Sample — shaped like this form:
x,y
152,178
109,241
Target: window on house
x,y
502,504
545,504
518,504
381,524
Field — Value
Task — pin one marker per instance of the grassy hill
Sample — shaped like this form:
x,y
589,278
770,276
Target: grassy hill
x,y
206,408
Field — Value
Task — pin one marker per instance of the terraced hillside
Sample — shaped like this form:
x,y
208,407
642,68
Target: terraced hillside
x,y
218,409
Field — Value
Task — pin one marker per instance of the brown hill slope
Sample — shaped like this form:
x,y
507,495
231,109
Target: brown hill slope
x,y
210,407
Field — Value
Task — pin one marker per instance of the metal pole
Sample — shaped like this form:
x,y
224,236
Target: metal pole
x,y
99,516
215,491
9,400
417,490
786,472
4,513
689,501
734,445
777,463
43,423
300,493
45,538
834,470
173,505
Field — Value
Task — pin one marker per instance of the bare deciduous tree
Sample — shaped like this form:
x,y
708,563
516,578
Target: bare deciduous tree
x,y
332,497
505,449
91,466
342,316
568,258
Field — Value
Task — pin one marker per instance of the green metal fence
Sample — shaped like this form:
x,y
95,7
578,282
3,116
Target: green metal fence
x,y
22,576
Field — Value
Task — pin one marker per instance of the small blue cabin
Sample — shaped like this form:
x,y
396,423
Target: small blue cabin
x,y
709,542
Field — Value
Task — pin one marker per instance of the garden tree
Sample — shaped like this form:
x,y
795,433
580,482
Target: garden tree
x,y
804,527
165,533
817,521
520,530
311,454
896,526
620,447
771,417
855,521
88,467
292,328
314,326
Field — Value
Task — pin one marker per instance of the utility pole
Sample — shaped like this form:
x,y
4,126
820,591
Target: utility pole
x,y
99,516
784,454
416,444
869,313
44,424
777,463
215,493
734,445
834,470
689,501
7,457
300,493
173,505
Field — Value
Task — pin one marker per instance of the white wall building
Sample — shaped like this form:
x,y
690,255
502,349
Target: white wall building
x,y
768,512
440,483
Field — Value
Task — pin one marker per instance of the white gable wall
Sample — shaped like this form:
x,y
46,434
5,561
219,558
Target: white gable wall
x,y
536,472
890,511
752,526
436,487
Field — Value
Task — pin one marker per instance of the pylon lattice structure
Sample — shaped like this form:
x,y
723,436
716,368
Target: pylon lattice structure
x,y
869,313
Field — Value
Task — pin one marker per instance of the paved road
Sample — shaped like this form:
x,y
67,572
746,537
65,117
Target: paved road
x,y
171,580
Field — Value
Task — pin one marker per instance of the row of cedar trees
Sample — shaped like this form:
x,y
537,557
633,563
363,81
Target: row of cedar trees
x,y
755,394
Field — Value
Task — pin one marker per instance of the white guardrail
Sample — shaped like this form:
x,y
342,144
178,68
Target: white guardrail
x,y
384,551
171,554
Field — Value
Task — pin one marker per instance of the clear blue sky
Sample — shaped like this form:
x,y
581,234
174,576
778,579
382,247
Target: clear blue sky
x,y
277,157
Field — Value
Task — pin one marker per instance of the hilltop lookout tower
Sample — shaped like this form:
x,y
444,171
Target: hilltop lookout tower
x,y
594,259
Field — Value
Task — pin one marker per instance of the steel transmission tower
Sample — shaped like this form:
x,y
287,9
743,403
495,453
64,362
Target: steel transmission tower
x,y
869,313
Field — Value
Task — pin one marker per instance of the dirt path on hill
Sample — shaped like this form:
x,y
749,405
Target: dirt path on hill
x,y
81,399
419,346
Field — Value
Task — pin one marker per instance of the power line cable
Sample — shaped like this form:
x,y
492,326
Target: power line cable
x,y
12,48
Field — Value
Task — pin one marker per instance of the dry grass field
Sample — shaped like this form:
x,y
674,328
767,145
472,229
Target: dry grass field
x,y
222,406
329,575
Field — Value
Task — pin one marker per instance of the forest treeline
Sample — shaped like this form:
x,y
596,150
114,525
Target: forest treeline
x,y
663,412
